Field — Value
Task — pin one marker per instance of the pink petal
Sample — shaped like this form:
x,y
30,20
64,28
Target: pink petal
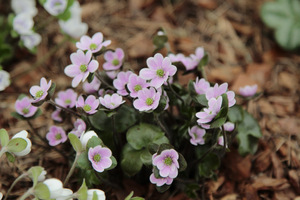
x,y
147,74
152,64
93,66
109,56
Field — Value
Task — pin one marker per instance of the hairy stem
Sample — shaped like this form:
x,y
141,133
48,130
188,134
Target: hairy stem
x,y
175,93
14,183
102,80
162,126
72,168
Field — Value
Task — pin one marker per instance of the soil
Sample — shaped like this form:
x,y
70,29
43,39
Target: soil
x,y
242,51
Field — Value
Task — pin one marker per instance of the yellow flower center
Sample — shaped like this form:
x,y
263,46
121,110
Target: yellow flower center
x,y
137,88
58,136
115,62
39,93
160,72
87,107
93,46
83,68
149,101
168,161
97,158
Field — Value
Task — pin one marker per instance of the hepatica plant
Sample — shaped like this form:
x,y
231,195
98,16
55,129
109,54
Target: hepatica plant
x,y
144,124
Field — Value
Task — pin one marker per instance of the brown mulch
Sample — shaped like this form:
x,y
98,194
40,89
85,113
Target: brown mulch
x,y
241,51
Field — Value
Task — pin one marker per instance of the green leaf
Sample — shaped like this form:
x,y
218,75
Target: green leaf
x,y
67,13
93,142
221,117
39,103
90,77
83,161
42,191
131,163
129,196
143,134
82,192
20,117
16,145
182,162
51,90
163,188
210,163
235,113
159,41
76,144
4,138
284,18
95,196
200,99
34,173
146,157
204,61
248,134
10,157
114,163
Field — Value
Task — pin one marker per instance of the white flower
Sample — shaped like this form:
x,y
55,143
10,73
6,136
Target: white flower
x,y
4,80
23,134
100,194
73,27
85,138
1,195
24,6
32,40
56,189
23,23
42,176
55,7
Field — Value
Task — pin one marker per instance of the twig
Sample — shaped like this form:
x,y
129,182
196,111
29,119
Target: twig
x,y
72,168
156,117
102,80
63,108
177,95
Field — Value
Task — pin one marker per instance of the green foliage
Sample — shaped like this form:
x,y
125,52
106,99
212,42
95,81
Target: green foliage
x,y
82,192
248,134
34,173
284,17
129,197
131,163
16,145
83,161
42,191
143,134
10,157
159,41
67,13
221,117
4,138
76,144
209,164
123,119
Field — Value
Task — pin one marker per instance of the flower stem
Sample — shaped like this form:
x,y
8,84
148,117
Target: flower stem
x,y
156,117
102,80
225,139
72,168
3,150
34,131
14,183
27,194
175,93
63,108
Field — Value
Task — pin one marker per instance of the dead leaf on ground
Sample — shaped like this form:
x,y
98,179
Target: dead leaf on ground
x,y
277,166
267,183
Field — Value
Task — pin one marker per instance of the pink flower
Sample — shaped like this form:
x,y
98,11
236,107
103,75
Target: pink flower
x,y
81,66
56,135
40,92
221,141
89,105
216,91
135,84
111,101
23,107
197,135
167,163
100,158
121,82
79,127
66,99
56,115
114,60
228,126
201,86
91,87
160,181
248,90
207,115
160,69
148,99
93,44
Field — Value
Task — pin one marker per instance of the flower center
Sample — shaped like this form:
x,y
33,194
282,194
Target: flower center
x,y
87,107
137,88
195,135
97,158
25,110
58,136
39,93
160,72
67,101
93,46
57,4
115,62
83,68
168,161
149,101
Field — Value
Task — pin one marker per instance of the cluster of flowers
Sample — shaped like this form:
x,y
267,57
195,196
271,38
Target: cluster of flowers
x,y
72,26
23,22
